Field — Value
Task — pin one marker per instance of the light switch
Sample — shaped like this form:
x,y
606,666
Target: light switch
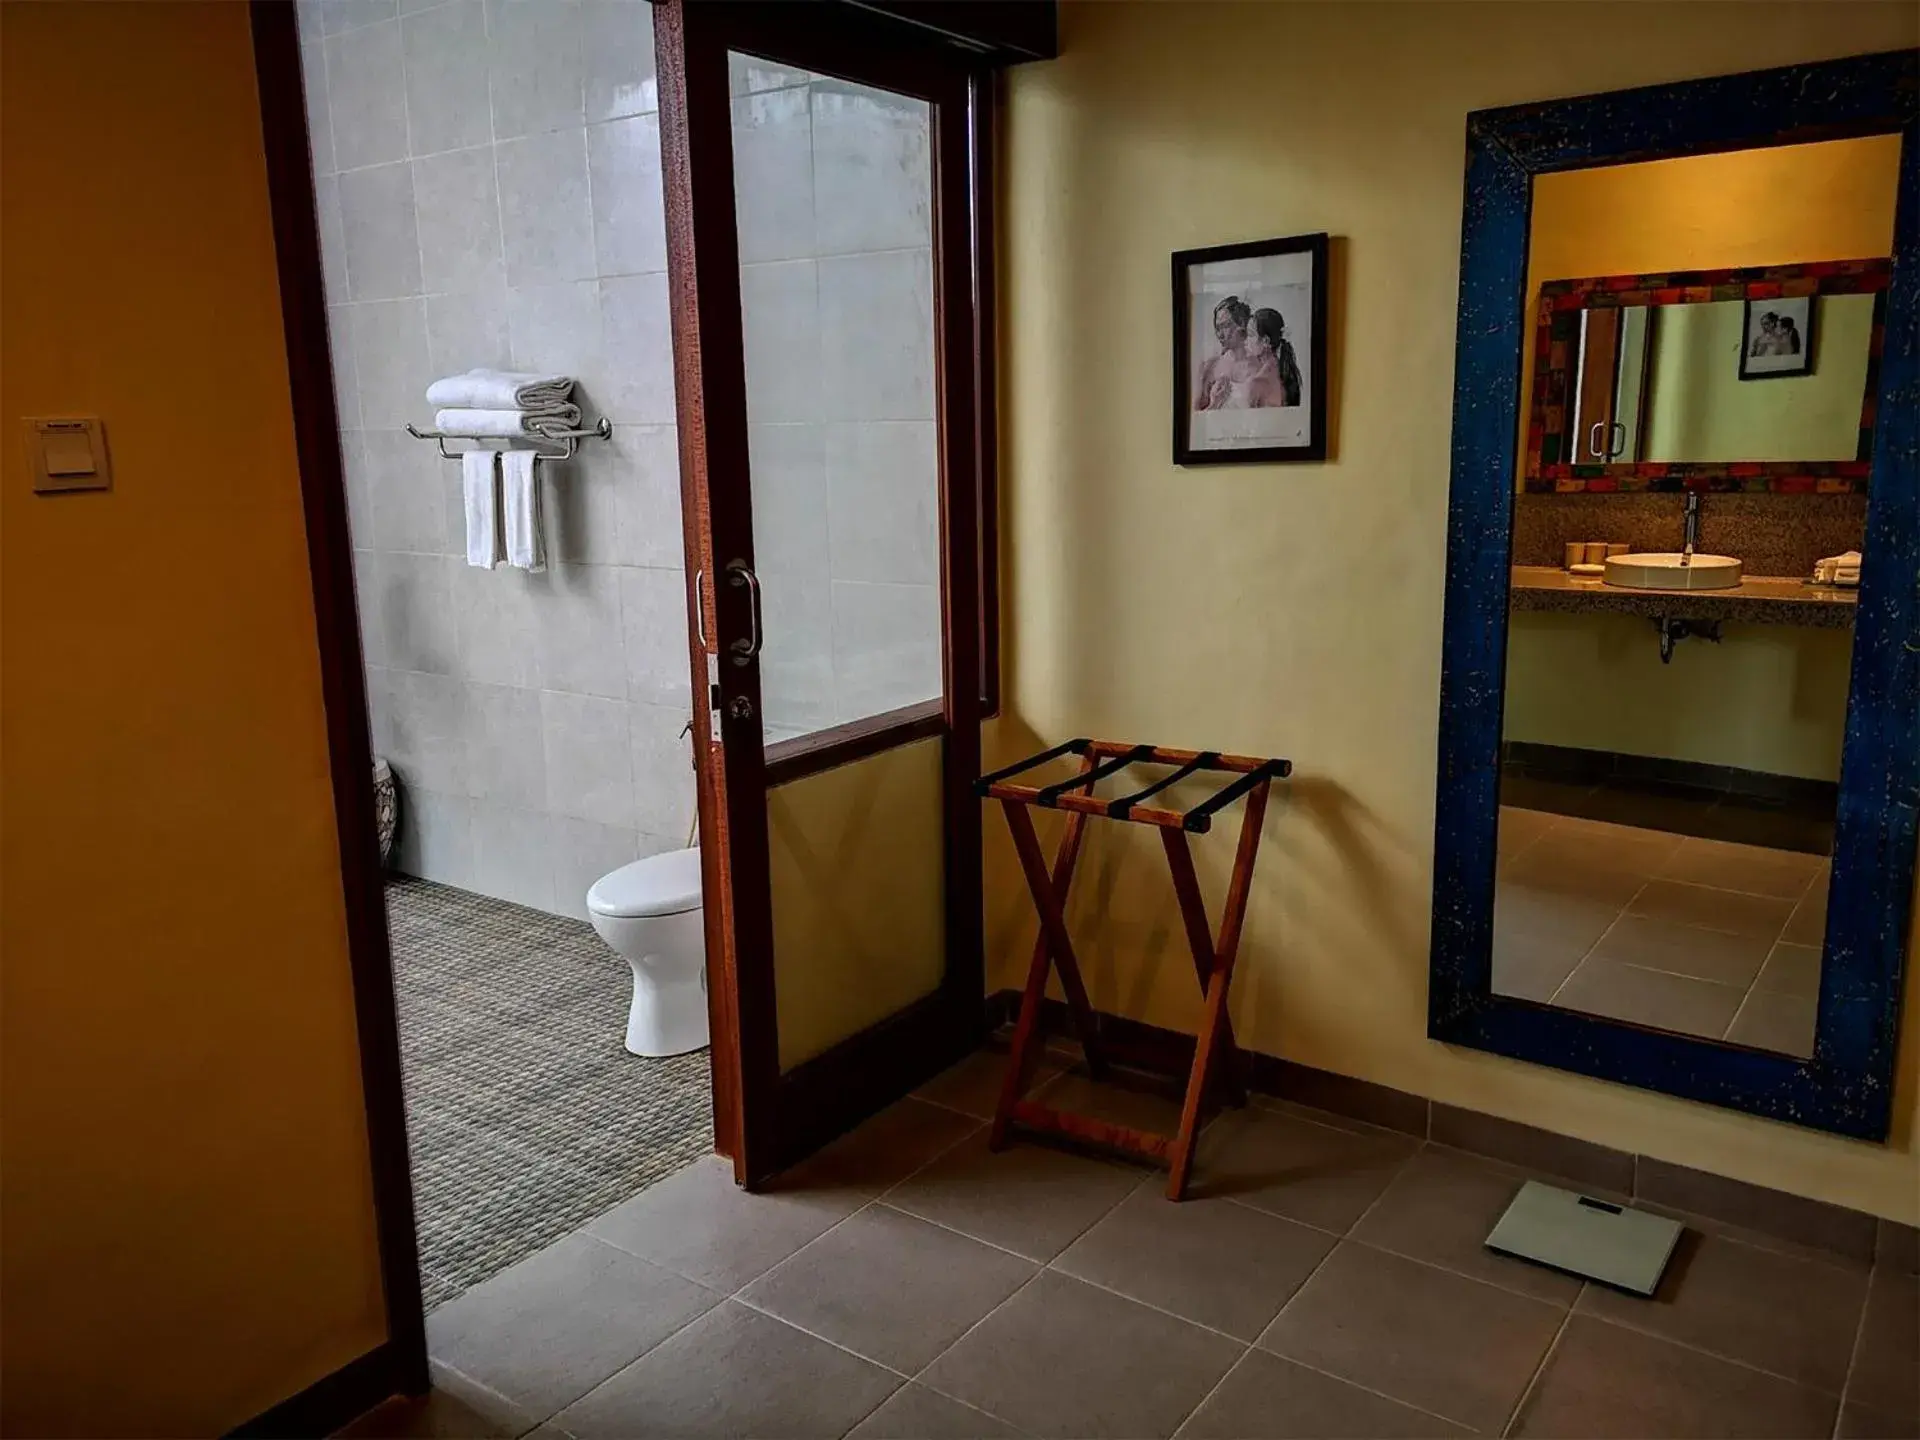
x,y
69,453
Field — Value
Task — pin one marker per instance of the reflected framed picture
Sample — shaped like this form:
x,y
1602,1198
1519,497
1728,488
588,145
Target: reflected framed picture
x,y
1777,339
1250,352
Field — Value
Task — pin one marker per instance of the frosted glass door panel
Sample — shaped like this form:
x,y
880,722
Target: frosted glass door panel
x,y
859,895
833,199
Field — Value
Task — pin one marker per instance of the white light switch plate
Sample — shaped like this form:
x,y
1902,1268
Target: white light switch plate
x,y
68,453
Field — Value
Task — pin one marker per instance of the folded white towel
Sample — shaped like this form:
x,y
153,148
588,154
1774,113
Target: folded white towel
x,y
500,390
520,508
508,424
479,471
1838,569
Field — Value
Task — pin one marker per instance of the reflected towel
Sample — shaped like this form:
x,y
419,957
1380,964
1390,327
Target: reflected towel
x,y
508,424
478,478
1838,569
520,510
500,390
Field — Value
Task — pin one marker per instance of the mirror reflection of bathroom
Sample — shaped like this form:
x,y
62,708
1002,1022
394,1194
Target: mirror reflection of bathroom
x,y
1691,477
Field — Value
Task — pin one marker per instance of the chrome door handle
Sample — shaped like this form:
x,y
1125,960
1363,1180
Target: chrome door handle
x,y
738,574
700,607
1594,447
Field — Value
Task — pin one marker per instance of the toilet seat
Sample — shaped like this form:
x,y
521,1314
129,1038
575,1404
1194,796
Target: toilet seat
x,y
665,884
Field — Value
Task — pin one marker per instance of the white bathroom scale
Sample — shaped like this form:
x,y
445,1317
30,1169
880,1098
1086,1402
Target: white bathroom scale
x,y
1597,1239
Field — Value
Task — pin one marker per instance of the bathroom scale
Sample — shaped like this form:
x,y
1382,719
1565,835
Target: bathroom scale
x,y
1627,1249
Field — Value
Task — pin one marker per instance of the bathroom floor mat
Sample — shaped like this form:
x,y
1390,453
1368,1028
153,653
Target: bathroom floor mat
x,y
526,1116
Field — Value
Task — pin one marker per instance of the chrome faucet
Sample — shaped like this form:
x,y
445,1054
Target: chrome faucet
x,y
1692,536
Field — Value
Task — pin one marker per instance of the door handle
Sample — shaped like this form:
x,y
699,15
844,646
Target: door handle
x,y
1613,447
1594,446
743,651
700,607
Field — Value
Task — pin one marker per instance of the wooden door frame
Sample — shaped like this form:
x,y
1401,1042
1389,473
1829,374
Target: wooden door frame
x,y
775,1118
400,1363
828,1087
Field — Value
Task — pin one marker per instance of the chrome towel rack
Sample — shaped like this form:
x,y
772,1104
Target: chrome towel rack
x,y
565,440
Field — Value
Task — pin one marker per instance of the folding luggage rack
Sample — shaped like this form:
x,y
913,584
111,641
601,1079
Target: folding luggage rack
x,y
1215,1057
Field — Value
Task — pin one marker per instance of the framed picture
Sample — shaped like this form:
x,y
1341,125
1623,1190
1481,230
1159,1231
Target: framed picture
x,y
1250,352
1777,339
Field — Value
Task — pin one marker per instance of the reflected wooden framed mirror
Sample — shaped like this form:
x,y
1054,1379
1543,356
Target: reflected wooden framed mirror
x,y
1680,693
1640,382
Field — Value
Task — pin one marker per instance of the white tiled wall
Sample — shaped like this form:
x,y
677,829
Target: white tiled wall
x,y
489,193
833,202
489,190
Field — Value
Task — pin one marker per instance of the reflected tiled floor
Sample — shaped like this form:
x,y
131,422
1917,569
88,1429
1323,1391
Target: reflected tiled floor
x,y
1327,1280
1706,937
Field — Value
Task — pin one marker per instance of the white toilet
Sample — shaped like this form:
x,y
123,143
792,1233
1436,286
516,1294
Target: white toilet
x,y
649,911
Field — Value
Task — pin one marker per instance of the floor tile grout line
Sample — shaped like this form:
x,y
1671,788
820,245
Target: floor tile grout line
x,y
1853,1356
902,1388
843,1348
1301,1289
1743,988
1689,1346
1546,1359
1213,1389
1745,998
1587,954
920,1377
900,1209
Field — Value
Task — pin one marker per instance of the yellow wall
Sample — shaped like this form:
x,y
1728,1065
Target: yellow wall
x,y
1291,609
1595,682
1704,212
188,1209
859,895
1698,407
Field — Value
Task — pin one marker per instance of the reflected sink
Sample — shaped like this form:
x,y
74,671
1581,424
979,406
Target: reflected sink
x,y
1667,572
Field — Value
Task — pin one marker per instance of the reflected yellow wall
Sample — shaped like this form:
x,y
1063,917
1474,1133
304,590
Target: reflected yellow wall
x,y
189,1232
1709,212
1595,682
1706,212
1296,609
1698,407
859,910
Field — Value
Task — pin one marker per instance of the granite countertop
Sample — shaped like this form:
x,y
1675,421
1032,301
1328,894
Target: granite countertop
x,y
1757,599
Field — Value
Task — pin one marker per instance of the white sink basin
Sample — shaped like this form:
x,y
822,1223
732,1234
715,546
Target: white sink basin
x,y
1673,572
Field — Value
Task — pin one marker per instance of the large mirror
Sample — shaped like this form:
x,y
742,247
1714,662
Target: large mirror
x,y
1672,733
1670,748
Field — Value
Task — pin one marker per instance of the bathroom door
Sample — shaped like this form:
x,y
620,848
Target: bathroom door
x,y
821,234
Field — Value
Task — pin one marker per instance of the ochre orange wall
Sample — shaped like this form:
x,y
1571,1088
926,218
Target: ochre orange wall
x,y
1296,609
189,1231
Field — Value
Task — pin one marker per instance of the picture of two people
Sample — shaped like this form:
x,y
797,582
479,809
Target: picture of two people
x,y
1254,367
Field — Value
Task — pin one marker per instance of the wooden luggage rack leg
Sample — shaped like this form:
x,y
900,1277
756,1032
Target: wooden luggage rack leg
x,y
1216,1058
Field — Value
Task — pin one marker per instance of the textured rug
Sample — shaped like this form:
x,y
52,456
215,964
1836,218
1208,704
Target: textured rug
x,y
526,1116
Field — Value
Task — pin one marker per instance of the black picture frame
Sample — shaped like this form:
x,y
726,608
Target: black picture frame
x,y
1806,340
1315,448
1846,1087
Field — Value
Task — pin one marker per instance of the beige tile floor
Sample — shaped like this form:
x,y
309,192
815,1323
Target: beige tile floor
x,y
1701,936
1327,1279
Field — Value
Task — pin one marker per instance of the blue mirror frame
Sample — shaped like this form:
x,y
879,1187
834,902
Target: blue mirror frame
x,y
1846,1086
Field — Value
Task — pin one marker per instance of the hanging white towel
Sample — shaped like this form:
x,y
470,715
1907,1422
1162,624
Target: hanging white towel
x,y
479,480
500,390
520,507
509,424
